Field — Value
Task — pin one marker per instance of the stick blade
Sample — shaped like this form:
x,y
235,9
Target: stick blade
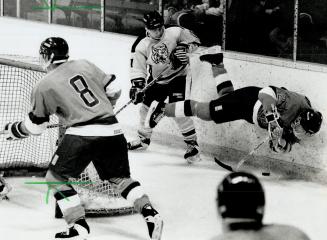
x,y
223,165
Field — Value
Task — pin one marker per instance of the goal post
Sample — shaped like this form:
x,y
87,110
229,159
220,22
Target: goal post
x,y
18,75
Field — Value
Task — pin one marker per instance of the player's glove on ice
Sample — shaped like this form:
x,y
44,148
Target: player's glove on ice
x,y
135,93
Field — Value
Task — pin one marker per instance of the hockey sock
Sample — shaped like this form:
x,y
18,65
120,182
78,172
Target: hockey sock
x,y
186,127
70,205
138,197
223,83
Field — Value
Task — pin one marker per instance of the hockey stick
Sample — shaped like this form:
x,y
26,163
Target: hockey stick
x,y
144,89
243,160
121,108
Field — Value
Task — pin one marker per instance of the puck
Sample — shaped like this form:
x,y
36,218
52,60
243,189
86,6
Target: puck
x,y
265,174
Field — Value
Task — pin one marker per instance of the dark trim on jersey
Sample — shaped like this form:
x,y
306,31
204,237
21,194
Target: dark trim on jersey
x,y
38,120
129,188
138,40
138,80
113,77
65,194
255,225
224,85
104,121
187,108
189,133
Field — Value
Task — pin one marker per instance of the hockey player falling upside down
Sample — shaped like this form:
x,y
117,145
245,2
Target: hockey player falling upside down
x,y
288,116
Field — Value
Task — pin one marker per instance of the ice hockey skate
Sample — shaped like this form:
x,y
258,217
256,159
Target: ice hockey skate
x,y
192,154
141,143
153,221
5,188
214,59
79,231
155,114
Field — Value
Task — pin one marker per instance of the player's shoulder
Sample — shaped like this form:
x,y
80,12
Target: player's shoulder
x,y
174,29
271,231
285,232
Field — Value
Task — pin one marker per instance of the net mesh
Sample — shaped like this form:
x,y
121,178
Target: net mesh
x,y
17,79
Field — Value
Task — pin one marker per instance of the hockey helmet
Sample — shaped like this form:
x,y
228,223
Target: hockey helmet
x,y
241,195
310,120
153,20
54,50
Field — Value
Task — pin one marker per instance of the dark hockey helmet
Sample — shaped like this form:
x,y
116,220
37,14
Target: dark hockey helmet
x,y
153,20
241,195
55,50
311,121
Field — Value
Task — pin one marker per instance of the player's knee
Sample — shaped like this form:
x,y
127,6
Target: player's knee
x,y
225,88
132,191
56,182
201,110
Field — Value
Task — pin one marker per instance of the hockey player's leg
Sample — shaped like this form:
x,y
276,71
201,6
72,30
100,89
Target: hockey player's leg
x,y
62,167
223,82
187,108
133,192
5,188
144,133
70,206
186,126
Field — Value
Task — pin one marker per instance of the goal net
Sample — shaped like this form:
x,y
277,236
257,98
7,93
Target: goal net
x,y
18,75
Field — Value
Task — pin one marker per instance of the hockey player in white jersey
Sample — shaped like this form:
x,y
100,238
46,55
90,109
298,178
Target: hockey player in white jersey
x,y
288,116
241,206
83,97
162,50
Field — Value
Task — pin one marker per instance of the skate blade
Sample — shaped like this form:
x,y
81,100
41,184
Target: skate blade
x,y
4,198
194,159
73,238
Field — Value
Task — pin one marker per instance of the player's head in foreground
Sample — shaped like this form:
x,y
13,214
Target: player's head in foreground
x,y
154,25
240,201
307,123
53,52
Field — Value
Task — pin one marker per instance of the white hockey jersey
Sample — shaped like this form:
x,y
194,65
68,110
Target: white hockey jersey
x,y
153,56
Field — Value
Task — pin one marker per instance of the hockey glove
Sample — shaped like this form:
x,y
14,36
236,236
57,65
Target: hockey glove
x,y
281,146
14,131
179,56
135,93
275,131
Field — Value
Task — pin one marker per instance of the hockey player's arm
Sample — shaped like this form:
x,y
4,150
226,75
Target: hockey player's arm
x,y
34,123
138,74
112,89
189,38
268,98
187,42
277,143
